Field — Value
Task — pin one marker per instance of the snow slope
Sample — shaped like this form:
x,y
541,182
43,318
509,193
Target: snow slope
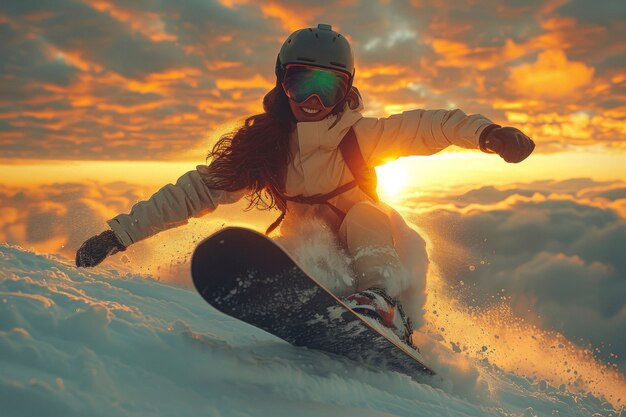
x,y
75,342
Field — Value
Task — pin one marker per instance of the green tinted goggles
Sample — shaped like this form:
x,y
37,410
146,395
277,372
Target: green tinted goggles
x,y
302,81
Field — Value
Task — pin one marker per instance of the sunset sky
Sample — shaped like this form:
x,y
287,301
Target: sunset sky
x,y
150,80
103,102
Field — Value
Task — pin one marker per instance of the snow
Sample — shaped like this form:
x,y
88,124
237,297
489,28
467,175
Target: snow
x,y
76,342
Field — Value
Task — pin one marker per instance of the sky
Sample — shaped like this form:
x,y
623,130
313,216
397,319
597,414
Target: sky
x,y
150,80
103,102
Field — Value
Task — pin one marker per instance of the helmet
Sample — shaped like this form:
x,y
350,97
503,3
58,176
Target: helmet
x,y
320,47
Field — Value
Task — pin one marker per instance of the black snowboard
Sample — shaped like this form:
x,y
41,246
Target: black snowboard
x,y
248,276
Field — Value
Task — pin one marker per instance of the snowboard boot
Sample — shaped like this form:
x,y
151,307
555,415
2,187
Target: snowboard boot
x,y
377,304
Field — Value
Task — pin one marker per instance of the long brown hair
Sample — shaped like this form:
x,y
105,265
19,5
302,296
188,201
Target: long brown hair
x,y
255,156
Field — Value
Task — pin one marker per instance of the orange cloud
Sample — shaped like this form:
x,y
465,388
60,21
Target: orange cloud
x,y
458,54
219,65
551,76
391,69
461,55
233,3
297,16
148,24
176,119
130,109
7,20
74,58
384,84
568,128
559,34
10,137
385,79
292,19
38,16
235,83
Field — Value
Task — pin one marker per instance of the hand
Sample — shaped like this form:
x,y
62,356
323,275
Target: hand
x,y
96,248
508,142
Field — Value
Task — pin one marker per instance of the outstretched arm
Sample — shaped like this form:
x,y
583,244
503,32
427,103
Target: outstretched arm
x,y
169,207
425,132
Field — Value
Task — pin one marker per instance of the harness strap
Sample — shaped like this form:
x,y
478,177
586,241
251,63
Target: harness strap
x,y
323,198
364,178
314,199
364,175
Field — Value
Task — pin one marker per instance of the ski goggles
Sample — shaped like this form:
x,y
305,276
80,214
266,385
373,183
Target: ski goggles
x,y
302,81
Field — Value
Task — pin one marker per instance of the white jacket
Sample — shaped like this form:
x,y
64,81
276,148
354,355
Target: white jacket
x,y
317,166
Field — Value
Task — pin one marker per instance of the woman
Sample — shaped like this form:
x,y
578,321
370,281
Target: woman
x,y
310,155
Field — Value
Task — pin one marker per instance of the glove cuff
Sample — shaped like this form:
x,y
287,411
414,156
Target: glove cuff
x,y
484,135
112,238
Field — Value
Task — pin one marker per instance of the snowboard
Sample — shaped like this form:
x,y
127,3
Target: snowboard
x,y
248,276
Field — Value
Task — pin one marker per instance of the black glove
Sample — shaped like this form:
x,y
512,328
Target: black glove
x,y
96,248
508,142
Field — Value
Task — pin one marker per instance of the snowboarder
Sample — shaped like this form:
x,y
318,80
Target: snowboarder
x,y
310,154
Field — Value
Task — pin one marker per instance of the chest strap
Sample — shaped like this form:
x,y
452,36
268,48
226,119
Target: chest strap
x,y
364,178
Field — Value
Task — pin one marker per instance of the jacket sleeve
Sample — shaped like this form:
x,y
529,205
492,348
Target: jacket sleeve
x,y
171,206
417,132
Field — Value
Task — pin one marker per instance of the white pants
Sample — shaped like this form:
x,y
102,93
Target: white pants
x,y
387,254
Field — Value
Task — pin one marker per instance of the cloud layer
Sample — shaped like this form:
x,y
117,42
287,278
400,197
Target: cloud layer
x,y
553,251
57,218
145,80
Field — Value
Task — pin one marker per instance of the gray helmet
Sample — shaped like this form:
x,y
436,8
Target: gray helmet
x,y
319,46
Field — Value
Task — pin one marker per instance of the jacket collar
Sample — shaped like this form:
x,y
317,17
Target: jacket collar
x,y
328,132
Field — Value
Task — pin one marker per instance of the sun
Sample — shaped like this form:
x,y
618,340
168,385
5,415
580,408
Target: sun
x,y
393,179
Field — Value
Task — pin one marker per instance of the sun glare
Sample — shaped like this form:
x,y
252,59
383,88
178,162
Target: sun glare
x,y
393,179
